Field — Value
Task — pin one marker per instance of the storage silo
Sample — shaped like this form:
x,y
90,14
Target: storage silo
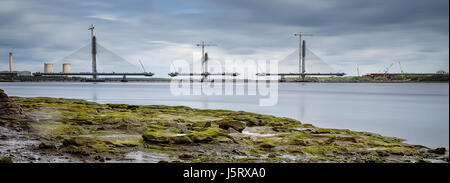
x,y
48,68
66,69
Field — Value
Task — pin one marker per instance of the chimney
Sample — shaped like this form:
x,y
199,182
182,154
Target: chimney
x,y
10,62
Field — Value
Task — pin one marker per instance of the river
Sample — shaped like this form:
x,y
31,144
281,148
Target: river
x,y
417,112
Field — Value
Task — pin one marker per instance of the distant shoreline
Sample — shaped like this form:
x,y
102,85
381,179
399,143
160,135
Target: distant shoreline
x,y
164,81
349,79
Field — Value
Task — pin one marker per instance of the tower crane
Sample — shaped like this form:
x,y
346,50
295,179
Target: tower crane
x,y
142,65
301,54
386,70
401,70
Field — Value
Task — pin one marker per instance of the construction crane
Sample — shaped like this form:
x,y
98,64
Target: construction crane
x,y
204,73
401,70
386,70
301,54
357,70
204,59
142,65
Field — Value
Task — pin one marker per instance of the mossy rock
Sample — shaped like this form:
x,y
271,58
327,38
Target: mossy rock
x,y
300,142
267,144
83,128
440,150
123,106
156,137
79,141
87,145
314,150
400,151
72,149
165,138
206,135
201,124
184,139
237,125
6,159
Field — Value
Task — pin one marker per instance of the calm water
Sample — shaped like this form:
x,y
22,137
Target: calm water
x,y
418,112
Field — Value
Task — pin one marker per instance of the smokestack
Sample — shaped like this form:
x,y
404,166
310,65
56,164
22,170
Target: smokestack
x,y
10,62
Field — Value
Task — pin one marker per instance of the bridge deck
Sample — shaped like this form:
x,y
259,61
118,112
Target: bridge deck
x,y
173,74
8,73
407,73
300,74
91,74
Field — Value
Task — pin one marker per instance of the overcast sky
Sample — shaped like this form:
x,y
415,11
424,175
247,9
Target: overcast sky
x,y
370,34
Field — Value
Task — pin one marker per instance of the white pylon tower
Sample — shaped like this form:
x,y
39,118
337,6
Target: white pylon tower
x,y
301,60
204,60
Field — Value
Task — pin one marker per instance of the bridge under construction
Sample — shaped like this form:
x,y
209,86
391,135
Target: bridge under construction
x,y
204,72
302,64
94,73
48,69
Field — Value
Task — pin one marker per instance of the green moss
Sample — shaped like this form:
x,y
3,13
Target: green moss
x,y
154,127
327,130
14,122
314,150
267,143
87,145
156,137
54,129
6,159
127,142
201,125
206,135
318,159
165,138
301,135
82,125
340,149
378,140
308,126
183,139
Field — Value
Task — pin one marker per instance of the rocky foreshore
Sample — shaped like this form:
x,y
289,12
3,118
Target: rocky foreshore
x,y
67,130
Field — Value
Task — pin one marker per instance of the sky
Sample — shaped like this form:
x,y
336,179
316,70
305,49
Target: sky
x,y
368,34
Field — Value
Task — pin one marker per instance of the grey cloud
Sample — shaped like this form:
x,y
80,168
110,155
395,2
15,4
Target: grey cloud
x,y
348,32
